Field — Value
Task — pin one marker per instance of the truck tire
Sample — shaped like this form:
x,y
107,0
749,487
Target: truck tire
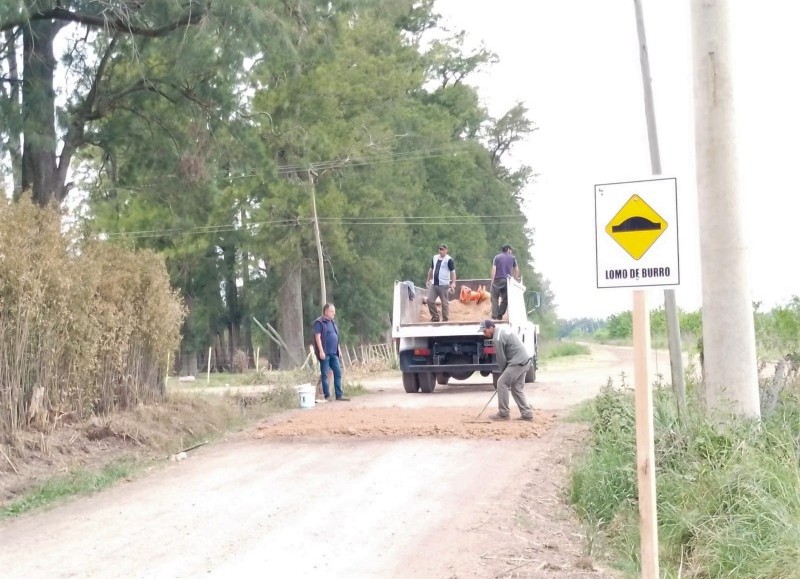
x,y
427,382
442,378
530,375
410,383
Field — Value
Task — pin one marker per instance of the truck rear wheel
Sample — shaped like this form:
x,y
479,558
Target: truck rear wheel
x,y
442,378
530,375
427,382
410,383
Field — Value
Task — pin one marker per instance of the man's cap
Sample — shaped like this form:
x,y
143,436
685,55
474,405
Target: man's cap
x,y
443,246
486,324
505,247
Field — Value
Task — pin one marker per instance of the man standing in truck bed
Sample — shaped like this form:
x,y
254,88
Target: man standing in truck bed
x,y
503,266
441,281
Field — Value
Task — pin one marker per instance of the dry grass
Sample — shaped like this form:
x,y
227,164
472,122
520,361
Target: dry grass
x,y
84,329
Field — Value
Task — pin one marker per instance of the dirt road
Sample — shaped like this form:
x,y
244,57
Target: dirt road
x,y
388,485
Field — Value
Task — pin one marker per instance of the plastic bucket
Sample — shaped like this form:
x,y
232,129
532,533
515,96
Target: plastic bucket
x,y
306,393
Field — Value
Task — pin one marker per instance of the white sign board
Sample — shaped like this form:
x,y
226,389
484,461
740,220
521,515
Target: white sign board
x,y
636,225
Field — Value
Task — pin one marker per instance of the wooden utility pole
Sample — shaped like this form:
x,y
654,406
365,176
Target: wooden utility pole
x,y
670,305
729,353
322,290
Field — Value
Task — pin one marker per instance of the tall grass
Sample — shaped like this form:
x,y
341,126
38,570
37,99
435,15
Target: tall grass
x,y
84,328
728,498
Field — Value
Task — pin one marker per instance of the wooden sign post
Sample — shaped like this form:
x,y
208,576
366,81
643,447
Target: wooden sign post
x,y
645,453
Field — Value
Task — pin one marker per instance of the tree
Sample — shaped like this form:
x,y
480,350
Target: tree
x,y
53,133
339,96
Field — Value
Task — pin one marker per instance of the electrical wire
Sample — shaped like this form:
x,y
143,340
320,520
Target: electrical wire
x,y
254,227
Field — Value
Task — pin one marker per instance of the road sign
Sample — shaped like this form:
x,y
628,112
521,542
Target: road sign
x,y
636,227
637,234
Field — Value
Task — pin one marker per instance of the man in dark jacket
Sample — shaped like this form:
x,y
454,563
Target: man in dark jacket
x,y
513,360
326,340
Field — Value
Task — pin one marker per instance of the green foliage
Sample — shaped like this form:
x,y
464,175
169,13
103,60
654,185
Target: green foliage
x,y
778,331
579,327
728,497
206,146
562,349
620,325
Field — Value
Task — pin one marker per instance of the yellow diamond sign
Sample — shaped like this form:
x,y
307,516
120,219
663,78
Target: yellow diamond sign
x,y
636,227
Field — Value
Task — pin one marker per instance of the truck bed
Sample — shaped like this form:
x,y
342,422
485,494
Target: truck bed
x,y
412,318
459,312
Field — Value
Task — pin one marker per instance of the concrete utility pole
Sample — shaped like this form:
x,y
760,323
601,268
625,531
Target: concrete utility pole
x,y
729,351
670,305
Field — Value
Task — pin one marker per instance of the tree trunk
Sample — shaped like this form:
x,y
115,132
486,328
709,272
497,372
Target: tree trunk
x,y
232,302
14,129
731,376
290,325
40,169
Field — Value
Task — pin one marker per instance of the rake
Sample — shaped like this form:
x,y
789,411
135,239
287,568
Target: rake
x,y
475,420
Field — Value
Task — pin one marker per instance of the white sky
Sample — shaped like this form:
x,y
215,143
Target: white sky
x,y
575,65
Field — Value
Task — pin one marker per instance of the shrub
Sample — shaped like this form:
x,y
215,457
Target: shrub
x,y
84,327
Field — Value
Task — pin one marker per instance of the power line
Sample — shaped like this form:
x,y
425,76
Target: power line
x,y
284,170
388,221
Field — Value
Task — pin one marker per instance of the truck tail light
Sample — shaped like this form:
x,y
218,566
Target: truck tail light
x,y
489,350
422,351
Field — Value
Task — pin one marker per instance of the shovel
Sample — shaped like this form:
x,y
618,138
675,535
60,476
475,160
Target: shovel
x,y
476,421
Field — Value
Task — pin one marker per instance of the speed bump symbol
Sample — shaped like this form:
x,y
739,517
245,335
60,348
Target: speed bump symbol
x,y
636,227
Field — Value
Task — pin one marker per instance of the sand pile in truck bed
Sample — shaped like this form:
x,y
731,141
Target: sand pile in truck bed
x,y
460,312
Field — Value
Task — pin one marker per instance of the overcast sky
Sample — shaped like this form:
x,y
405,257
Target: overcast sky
x,y
575,65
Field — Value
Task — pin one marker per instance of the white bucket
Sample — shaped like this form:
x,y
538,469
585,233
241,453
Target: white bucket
x,y
306,393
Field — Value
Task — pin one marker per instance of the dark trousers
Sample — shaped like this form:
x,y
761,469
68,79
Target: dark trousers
x,y
499,294
443,293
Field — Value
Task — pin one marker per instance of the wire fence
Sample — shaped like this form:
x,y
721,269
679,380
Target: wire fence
x,y
363,357
370,357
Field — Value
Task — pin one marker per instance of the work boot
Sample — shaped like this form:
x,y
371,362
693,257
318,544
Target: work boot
x,y
525,418
343,399
499,417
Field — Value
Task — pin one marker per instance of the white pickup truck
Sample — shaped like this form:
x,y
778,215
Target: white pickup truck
x,y
434,352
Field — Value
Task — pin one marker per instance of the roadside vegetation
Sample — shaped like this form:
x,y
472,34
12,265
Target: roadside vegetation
x,y
559,349
728,498
777,330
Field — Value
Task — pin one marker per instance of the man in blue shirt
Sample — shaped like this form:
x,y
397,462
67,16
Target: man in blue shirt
x,y
504,266
326,339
